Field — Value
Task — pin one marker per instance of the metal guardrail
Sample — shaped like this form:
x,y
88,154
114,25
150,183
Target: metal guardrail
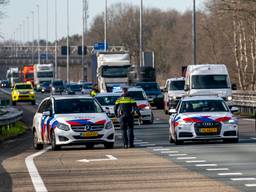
x,y
245,98
10,118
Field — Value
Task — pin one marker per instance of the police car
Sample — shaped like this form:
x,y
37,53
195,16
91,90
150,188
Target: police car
x,y
203,118
71,120
107,101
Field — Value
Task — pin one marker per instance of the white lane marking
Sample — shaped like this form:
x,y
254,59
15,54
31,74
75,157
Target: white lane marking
x,y
249,119
33,172
218,169
253,138
138,140
146,145
250,185
206,165
167,152
243,179
186,158
196,161
154,147
161,149
141,143
176,155
228,174
109,158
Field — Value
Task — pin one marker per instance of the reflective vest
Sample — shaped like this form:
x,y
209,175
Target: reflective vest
x,y
125,106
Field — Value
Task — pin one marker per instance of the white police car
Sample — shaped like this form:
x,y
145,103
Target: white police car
x,y
71,120
203,118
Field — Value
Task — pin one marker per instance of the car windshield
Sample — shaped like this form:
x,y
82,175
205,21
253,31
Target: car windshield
x,y
68,106
57,83
149,86
46,84
177,85
87,86
45,74
137,95
210,82
115,72
25,86
107,100
203,106
29,76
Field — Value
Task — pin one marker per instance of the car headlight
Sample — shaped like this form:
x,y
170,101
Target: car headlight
x,y
32,92
231,121
63,127
229,98
147,107
109,125
53,89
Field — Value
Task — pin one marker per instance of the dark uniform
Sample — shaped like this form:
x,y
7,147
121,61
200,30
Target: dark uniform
x,y
125,107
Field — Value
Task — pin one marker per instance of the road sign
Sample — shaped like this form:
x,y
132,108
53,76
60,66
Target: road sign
x,y
100,46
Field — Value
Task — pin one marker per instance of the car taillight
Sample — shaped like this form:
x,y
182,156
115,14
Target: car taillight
x,y
144,106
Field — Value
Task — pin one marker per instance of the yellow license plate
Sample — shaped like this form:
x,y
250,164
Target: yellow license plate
x,y
209,130
90,134
114,120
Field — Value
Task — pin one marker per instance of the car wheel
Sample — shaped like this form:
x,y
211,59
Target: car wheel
x,y
33,102
109,145
233,140
36,145
89,146
178,142
171,139
13,103
55,147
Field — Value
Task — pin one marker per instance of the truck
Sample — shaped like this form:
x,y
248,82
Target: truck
x,y
141,74
112,69
28,74
42,73
209,79
12,75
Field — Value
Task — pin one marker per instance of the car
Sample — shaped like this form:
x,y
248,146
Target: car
x,y
73,88
57,86
107,101
5,84
23,92
203,118
72,120
153,92
46,87
139,95
86,88
173,92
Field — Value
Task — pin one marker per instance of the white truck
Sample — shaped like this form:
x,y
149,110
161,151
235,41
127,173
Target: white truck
x,y
12,75
42,73
112,69
209,79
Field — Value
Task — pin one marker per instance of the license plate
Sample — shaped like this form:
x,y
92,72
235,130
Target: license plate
x,y
114,120
208,130
90,134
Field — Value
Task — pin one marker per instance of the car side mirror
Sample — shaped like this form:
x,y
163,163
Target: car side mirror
x,y
172,111
107,110
234,87
47,113
186,88
234,109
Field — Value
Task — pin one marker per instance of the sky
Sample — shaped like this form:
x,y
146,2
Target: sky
x,y
19,13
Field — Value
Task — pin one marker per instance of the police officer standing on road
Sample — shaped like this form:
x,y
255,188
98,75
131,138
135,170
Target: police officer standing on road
x,y
125,107
94,91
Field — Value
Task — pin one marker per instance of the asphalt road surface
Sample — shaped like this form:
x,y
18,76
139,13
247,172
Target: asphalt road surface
x,y
154,165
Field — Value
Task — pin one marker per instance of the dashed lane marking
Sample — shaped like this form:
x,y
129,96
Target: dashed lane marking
x,y
178,154
161,149
146,145
206,165
243,179
229,174
196,161
186,158
218,169
167,152
250,185
138,143
253,138
33,172
156,147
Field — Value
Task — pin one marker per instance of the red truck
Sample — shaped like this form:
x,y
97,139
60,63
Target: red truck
x,y
28,74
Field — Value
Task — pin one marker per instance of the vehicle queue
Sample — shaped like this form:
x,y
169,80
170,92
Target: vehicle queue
x,y
78,118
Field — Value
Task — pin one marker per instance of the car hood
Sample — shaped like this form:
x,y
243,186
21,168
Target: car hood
x,y
219,92
82,119
24,90
204,117
157,92
179,93
142,104
111,108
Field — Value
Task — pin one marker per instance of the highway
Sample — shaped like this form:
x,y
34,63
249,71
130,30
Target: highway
x,y
154,165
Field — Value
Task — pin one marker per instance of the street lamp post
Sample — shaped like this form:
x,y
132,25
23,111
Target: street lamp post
x,y
47,18
141,33
105,25
68,41
85,9
56,41
33,36
38,22
194,43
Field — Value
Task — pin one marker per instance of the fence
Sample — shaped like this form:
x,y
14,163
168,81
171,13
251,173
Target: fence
x,y
245,100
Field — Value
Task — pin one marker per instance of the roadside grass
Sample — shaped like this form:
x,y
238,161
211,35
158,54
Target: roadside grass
x,y
12,131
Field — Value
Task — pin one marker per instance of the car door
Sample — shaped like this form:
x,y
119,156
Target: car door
x,y
47,120
38,119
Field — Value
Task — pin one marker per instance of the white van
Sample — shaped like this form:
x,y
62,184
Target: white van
x,y
209,79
